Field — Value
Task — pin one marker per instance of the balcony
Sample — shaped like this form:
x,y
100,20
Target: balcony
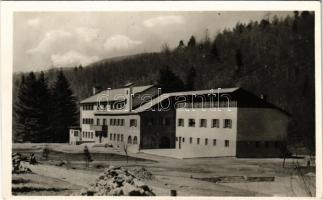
x,y
99,127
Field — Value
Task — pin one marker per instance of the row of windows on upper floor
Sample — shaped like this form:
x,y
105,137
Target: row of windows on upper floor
x,y
114,106
132,122
206,141
113,122
215,123
257,144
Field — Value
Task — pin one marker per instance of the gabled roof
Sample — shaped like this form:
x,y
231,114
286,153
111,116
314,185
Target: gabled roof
x,y
162,97
112,94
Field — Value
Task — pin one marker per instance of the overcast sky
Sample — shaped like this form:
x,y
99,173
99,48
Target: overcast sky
x,y
43,40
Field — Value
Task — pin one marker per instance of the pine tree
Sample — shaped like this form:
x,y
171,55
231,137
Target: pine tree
x,y
27,110
214,51
43,99
191,42
169,82
190,82
181,44
64,109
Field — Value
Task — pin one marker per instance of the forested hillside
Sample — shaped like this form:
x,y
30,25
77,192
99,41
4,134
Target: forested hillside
x,y
272,57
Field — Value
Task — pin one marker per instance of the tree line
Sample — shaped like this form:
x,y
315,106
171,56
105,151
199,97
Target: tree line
x,y
43,113
274,57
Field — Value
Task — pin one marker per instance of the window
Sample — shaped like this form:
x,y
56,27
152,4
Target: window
x,y
87,107
276,144
227,123
203,123
206,141
114,137
150,121
104,121
180,122
133,123
191,122
121,122
191,140
83,134
163,121
76,133
121,137
111,136
183,139
92,135
111,121
105,134
198,141
215,123
97,121
118,137
129,140
87,121
214,142
167,121
226,143
118,122
135,141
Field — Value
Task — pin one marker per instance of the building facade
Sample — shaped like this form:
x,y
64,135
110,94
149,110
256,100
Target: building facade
x,y
206,123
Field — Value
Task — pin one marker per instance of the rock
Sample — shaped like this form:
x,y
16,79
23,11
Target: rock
x,y
141,185
128,188
142,173
117,192
118,181
19,166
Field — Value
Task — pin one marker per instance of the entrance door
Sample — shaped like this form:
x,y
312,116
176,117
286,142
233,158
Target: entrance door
x,y
179,142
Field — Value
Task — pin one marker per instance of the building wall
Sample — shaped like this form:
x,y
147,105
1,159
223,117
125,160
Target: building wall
x,y
124,131
261,132
155,134
86,132
183,134
75,136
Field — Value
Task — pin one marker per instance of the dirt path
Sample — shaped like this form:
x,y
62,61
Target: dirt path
x,y
77,177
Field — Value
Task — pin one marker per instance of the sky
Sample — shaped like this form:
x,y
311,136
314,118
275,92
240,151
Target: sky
x,y
44,40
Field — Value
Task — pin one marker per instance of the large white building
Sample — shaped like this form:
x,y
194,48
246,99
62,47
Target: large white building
x,y
207,123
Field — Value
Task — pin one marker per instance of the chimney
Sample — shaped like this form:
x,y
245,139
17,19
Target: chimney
x,y
96,89
129,90
263,97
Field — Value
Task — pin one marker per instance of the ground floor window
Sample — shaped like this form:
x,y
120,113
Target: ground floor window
x,y
198,141
226,143
214,142
206,141
129,140
191,140
121,137
135,140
